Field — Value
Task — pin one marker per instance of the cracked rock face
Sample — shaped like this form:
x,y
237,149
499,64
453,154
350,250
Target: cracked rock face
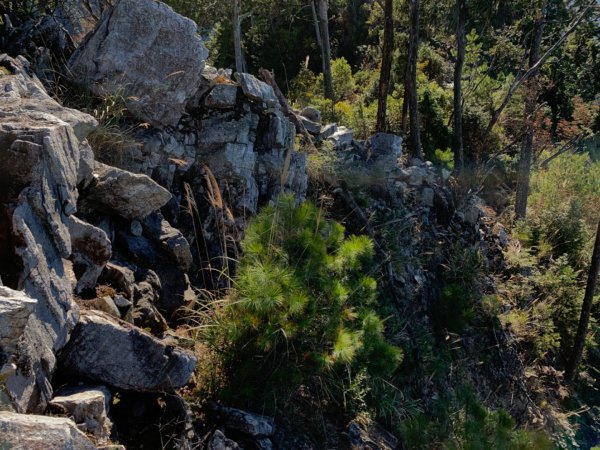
x,y
39,170
115,58
117,354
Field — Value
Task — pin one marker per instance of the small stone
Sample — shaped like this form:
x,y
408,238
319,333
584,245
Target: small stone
x,y
257,90
105,304
121,301
254,425
136,228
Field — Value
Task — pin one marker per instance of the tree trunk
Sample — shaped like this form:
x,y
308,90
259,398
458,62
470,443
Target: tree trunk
x,y
325,48
386,66
526,157
586,309
457,141
411,84
240,63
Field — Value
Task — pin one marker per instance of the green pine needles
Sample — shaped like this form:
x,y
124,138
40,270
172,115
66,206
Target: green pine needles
x,y
302,306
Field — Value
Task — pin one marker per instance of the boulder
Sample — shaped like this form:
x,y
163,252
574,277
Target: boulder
x,y
145,314
257,90
311,113
146,53
129,195
384,144
254,425
342,137
88,406
171,240
15,309
117,354
219,441
91,250
105,304
222,96
327,131
29,432
311,127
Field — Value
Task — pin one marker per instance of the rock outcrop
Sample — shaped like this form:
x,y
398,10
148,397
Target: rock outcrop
x,y
29,432
115,353
147,54
39,166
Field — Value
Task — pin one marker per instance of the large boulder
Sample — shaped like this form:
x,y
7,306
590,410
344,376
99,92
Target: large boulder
x,y
254,425
146,53
126,194
29,432
120,355
39,171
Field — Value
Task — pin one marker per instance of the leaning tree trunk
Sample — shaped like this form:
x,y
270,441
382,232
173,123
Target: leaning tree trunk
x,y
386,66
457,141
526,158
240,63
586,308
325,48
411,82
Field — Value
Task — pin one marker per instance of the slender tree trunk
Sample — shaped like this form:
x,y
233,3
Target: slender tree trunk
x,y
316,22
415,132
526,157
386,66
457,141
405,102
586,309
325,48
240,63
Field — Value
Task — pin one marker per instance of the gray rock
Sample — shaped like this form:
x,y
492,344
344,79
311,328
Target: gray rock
x,y
257,90
86,164
123,193
117,354
311,127
88,406
427,196
121,302
327,131
24,93
29,432
145,314
384,144
79,17
119,276
342,137
136,228
222,96
91,250
39,167
154,63
105,304
15,309
312,113
254,425
219,441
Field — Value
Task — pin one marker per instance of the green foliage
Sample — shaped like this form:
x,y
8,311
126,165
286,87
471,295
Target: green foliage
x,y
302,304
460,421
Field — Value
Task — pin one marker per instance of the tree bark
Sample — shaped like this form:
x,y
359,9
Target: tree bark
x,y
325,48
457,140
411,81
526,158
586,309
240,63
386,66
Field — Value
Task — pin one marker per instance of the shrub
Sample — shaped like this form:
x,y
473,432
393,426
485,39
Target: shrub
x,y
302,305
